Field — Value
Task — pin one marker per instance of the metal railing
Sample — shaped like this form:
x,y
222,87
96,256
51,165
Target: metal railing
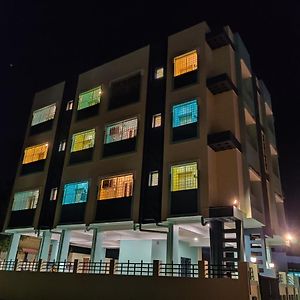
x,y
179,270
155,268
139,269
221,271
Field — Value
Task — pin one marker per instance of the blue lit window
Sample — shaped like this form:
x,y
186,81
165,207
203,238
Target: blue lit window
x,y
185,113
75,192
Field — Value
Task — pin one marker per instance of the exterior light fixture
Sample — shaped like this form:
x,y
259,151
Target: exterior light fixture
x,y
195,239
235,202
271,265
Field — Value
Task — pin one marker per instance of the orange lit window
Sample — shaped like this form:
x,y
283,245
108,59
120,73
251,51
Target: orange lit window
x,y
116,187
185,63
35,153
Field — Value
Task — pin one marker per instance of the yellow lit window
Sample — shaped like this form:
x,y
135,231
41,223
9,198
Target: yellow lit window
x,y
35,153
83,140
185,63
116,187
184,177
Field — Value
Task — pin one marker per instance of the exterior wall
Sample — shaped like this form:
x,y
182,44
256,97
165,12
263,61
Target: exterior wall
x,y
79,286
125,163
46,97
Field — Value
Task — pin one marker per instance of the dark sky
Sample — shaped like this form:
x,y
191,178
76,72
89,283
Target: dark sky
x,y
43,42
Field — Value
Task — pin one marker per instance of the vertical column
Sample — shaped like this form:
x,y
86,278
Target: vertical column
x,y
45,246
13,247
97,252
54,250
173,244
64,244
216,242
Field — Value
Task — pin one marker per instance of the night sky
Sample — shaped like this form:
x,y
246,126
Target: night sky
x,y
42,43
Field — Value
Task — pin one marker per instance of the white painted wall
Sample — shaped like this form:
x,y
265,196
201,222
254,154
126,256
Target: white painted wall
x,y
135,250
159,250
189,252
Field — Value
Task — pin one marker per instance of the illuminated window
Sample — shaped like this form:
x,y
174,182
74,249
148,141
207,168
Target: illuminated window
x,y
43,114
53,194
185,113
75,192
62,146
121,131
83,140
153,178
156,121
35,153
184,177
89,98
159,73
185,63
69,105
25,200
116,187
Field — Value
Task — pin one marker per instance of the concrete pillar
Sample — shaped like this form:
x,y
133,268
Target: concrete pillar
x,y
13,247
64,243
45,246
97,251
216,242
54,250
173,244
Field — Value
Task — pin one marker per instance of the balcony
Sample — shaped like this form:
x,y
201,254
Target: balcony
x,y
218,38
225,140
220,84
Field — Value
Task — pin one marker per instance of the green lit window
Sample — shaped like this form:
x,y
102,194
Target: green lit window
x,y
83,140
89,98
25,200
184,177
43,114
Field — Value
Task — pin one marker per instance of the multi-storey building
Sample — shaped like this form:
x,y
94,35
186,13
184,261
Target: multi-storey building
x,y
167,153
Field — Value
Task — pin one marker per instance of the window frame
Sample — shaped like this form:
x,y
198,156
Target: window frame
x,y
151,179
33,205
182,56
109,126
75,194
193,185
85,132
182,104
87,92
111,186
154,117
51,115
24,160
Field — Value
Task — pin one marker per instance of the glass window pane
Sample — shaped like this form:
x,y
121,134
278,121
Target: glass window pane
x,y
116,187
153,178
75,192
156,121
35,153
25,200
89,98
43,114
184,177
121,131
185,63
83,140
185,113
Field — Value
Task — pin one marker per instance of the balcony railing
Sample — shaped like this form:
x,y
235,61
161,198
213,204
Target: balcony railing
x,y
155,268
